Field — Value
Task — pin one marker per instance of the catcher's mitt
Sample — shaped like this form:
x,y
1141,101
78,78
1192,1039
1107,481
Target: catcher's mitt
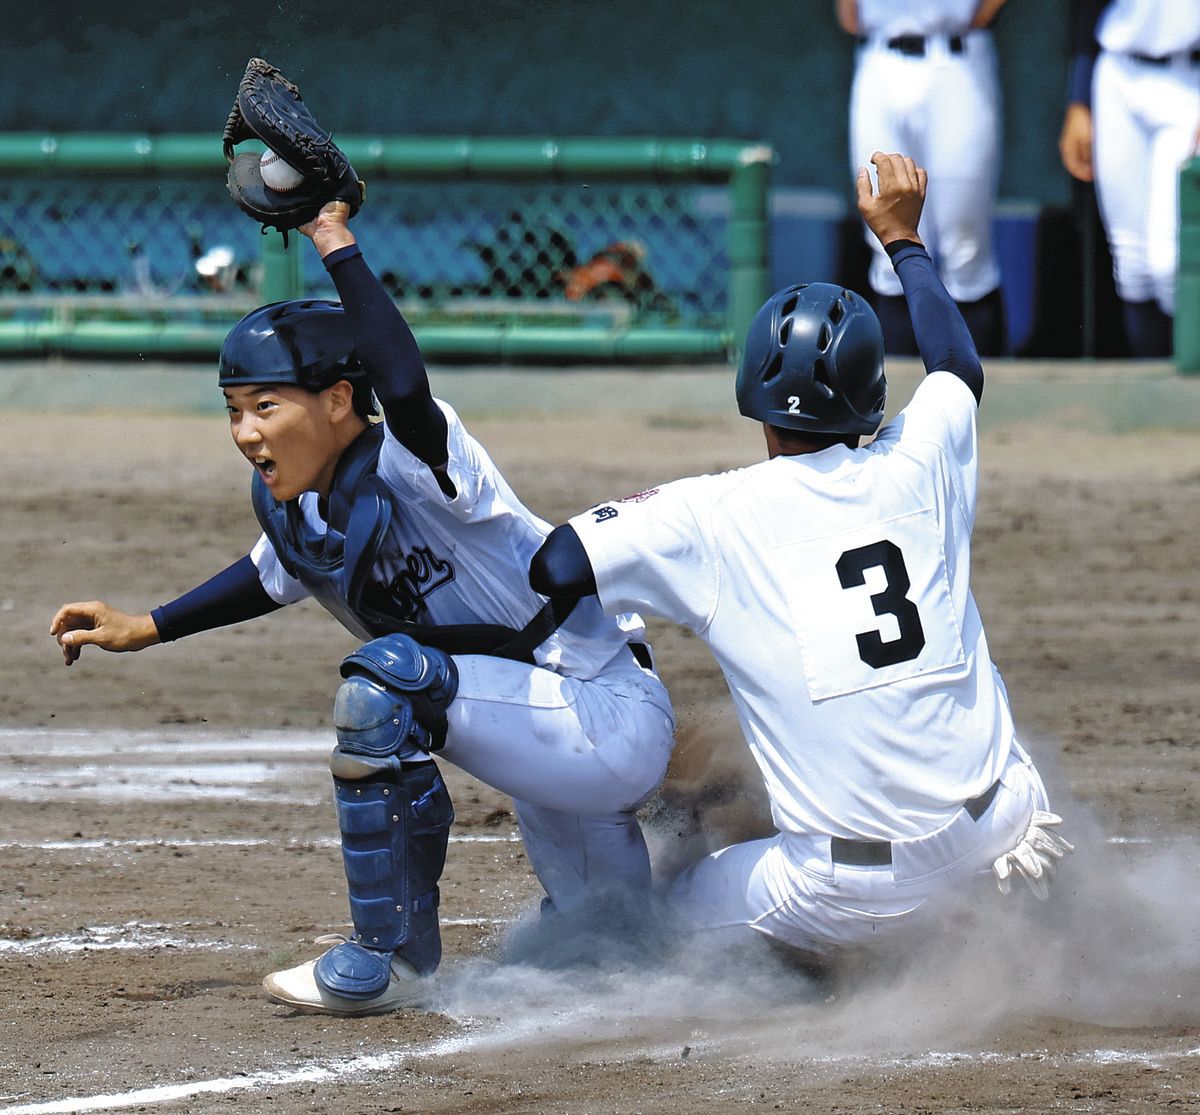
x,y
269,108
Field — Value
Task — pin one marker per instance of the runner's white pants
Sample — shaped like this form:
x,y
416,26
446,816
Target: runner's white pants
x,y
789,889
578,757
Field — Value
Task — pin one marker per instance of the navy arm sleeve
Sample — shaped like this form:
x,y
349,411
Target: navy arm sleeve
x,y
1084,49
389,352
942,335
561,568
233,595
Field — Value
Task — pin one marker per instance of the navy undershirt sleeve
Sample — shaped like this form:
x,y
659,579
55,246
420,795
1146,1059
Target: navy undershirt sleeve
x,y
561,567
1084,49
233,595
389,352
942,335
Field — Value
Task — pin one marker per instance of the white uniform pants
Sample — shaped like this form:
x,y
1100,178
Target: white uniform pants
x,y
577,757
788,888
944,110
1144,121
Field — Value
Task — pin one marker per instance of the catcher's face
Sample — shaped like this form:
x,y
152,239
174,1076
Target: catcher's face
x,y
290,436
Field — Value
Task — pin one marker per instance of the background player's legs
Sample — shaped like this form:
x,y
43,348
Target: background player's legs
x,y
886,90
944,110
962,143
1122,158
577,757
985,319
1175,109
1148,330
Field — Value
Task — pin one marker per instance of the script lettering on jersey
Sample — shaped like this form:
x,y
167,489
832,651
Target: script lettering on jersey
x,y
423,573
603,514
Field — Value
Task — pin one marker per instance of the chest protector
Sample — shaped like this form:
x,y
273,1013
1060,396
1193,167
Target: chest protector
x,y
334,565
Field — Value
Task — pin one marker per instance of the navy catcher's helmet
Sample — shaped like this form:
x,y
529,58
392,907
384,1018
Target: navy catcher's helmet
x,y
814,362
306,342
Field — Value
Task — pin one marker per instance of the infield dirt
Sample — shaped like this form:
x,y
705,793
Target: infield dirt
x,y
169,901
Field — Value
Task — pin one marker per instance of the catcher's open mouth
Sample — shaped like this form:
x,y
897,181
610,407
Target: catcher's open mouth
x,y
265,466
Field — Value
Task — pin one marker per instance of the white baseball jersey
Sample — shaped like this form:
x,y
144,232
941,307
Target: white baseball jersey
x,y
1153,27
833,591
450,575
888,18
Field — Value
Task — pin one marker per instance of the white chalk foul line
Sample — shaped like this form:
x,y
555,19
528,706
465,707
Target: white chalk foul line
x,y
319,1072
101,938
177,745
316,1072
135,935
101,844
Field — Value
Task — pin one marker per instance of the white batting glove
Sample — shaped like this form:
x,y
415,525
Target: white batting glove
x,y
1033,859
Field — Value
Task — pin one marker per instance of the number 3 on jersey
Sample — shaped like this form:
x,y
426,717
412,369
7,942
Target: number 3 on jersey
x,y
851,571
871,606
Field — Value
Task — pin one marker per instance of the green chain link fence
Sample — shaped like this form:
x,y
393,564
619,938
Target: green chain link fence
x,y
496,248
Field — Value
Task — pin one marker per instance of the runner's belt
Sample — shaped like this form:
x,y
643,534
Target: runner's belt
x,y
878,853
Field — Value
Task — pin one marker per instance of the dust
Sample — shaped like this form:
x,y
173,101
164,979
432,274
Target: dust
x,y
1117,944
712,797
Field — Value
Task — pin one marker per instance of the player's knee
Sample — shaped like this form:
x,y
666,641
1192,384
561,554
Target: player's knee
x,y
401,663
392,705
374,727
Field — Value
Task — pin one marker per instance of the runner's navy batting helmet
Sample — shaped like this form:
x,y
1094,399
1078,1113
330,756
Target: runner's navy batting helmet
x,y
813,361
306,342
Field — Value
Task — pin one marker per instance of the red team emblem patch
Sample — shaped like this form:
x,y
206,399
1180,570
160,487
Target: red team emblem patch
x,y
639,497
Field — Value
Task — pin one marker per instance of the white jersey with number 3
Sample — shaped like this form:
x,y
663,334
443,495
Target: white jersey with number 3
x,y
833,590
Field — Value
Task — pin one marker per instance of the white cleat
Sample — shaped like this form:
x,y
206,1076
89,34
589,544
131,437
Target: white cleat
x,y
298,987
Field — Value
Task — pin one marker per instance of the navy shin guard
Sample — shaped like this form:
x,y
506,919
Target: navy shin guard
x,y
393,810
395,825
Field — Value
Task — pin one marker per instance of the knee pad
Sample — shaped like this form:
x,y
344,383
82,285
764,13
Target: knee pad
x,y
395,691
374,728
395,825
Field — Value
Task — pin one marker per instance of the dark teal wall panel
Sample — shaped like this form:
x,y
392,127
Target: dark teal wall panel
x,y
745,69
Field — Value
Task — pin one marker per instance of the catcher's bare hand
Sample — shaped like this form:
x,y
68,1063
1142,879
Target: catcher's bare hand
x,y
330,230
94,623
895,211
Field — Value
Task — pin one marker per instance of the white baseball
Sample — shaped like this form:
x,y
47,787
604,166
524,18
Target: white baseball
x,y
278,175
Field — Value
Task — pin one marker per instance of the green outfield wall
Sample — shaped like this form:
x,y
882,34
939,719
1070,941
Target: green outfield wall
x,y
497,248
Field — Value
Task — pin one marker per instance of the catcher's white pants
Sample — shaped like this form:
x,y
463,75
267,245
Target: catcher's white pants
x,y
577,757
1144,120
944,110
788,888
